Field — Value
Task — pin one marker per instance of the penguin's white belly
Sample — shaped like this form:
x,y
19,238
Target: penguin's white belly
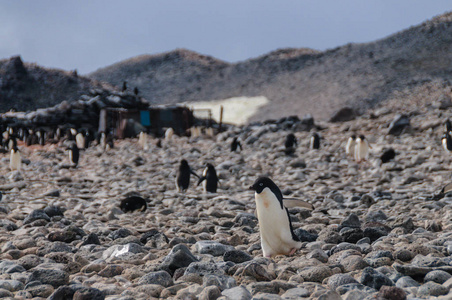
x,y
71,156
361,151
15,161
444,142
276,237
350,148
80,141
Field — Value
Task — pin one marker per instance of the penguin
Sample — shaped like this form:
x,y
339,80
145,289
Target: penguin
x,y
290,144
350,147
361,148
74,154
448,125
387,155
80,140
143,140
15,159
136,91
88,138
315,141
276,231
124,86
169,134
235,144
446,141
41,137
158,144
209,132
133,203
183,176
211,180
12,142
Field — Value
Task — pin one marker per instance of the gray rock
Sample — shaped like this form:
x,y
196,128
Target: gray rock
x,y
266,296
406,281
318,254
375,216
432,289
391,292
53,277
88,293
179,257
120,233
295,293
437,276
374,279
257,272
91,239
343,115
330,295
7,294
351,235
305,236
53,211
162,278
212,248
42,290
316,274
61,293
262,287
340,279
8,225
342,289
223,282
245,219
344,246
237,293
54,247
11,285
37,214
237,256
8,267
351,221
210,293
204,268
355,295
330,235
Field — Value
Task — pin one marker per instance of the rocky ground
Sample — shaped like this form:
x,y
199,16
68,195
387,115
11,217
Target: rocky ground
x,y
375,230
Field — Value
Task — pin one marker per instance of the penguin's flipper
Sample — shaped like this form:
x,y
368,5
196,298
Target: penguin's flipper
x,y
191,171
294,202
201,180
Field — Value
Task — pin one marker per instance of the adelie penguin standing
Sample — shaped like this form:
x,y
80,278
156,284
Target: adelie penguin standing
x,y
235,144
350,147
446,141
183,176
209,176
276,231
74,154
315,141
15,159
361,149
290,144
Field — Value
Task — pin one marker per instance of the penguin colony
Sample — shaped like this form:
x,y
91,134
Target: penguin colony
x,y
276,230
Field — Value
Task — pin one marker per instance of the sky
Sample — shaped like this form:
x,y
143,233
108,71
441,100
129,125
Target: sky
x,y
91,34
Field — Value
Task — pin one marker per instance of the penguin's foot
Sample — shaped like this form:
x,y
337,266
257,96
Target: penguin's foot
x,y
292,251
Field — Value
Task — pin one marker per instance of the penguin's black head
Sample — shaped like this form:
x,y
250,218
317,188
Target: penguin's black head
x,y
261,183
15,149
315,135
362,137
210,166
183,163
353,137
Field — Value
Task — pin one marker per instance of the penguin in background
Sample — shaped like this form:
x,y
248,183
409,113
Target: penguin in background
x,y
183,176
169,134
209,179
446,141
88,138
40,134
350,147
133,203
143,140
276,231
290,144
448,126
315,141
235,144
361,148
12,142
74,154
15,160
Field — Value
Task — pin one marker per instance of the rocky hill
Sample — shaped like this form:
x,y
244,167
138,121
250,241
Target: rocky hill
x,y
25,86
299,81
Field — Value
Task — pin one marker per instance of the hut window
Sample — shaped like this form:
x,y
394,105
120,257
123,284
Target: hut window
x,y
166,115
145,118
